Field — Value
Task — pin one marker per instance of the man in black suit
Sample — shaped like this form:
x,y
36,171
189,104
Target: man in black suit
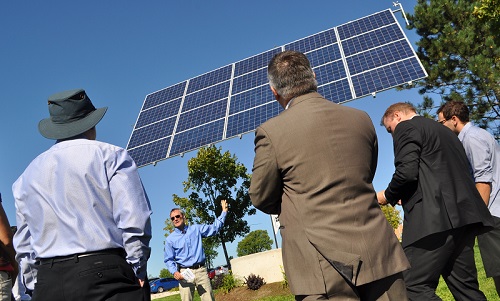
x,y
443,211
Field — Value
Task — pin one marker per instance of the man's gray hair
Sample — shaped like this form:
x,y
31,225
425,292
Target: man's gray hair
x,y
291,75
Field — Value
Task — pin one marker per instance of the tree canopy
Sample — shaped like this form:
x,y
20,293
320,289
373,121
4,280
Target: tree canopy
x,y
459,48
164,273
214,176
392,215
255,242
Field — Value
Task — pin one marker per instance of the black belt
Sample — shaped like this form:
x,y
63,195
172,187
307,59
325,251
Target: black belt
x,y
118,251
194,266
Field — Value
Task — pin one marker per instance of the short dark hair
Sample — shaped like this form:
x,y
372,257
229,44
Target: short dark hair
x,y
290,73
399,106
454,108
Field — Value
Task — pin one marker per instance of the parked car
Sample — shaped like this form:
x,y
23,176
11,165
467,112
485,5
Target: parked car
x,y
222,269
163,284
211,273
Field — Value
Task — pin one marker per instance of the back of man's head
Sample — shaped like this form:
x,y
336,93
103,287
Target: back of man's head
x,y
291,75
454,108
405,107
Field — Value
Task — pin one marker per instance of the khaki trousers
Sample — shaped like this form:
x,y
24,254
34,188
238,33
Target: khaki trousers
x,y
201,283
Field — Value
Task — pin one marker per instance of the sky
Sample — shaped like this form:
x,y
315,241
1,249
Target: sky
x,y
120,51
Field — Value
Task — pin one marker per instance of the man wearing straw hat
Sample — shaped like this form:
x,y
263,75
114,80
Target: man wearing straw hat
x,y
82,214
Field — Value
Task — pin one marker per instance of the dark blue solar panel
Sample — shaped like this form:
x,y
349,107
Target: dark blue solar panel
x,y
250,99
152,152
372,55
387,77
330,72
249,81
313,42
379,57
206,96
247,121
160,112
194,138
152,132
337,91
164,95
202,115
373,39
324,55
254,62
210,79
365,24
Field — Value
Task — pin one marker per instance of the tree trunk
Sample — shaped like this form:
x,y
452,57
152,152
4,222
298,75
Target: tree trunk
x,y
225,254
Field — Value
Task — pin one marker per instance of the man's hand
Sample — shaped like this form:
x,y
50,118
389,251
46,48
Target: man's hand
x,y
381,198
223,203
178,276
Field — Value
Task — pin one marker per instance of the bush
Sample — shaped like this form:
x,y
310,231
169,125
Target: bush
x,y
225,282
217,281
254,282
284,283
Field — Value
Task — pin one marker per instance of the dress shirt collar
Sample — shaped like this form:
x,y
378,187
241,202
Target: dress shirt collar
x,y
464,130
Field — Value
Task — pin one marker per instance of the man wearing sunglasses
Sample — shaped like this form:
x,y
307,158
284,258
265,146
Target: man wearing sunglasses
x,y
184,250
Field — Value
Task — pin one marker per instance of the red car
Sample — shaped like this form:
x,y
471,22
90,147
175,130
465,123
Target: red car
x,y
211,273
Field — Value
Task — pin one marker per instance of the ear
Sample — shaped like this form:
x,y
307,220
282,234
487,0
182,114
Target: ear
x,y
397,115
275,93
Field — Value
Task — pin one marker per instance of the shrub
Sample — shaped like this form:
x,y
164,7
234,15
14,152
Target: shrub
x,y
284,283
254,282
226,282
217,281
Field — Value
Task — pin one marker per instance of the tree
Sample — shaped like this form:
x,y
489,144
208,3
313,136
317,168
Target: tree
x,y
255,242
392,215
164,273
461,55
214,176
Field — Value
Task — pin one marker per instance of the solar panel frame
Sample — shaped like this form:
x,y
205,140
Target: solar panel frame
x,y
352,60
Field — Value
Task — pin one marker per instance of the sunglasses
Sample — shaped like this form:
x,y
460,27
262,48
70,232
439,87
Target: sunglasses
x,y
174,217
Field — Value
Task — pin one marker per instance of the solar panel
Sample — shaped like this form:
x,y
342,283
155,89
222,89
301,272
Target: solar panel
x,y
351,61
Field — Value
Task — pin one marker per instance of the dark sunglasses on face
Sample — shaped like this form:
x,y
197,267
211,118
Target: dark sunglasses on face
x,y
174,217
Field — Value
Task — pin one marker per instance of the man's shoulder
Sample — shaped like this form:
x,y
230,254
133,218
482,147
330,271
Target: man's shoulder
x,y
475,130
474,134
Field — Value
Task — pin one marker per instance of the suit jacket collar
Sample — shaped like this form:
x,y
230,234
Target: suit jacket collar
x,y
301,98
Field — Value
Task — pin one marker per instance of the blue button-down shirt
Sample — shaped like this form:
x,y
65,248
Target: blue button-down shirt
x,y
483,153
81,196
185,247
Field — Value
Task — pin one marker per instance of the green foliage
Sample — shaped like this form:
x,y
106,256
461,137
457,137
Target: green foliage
x,y
392,215
218,281
164,273
255,242
214,176
284,283
225,282
486,285
461,54
210,245
254,282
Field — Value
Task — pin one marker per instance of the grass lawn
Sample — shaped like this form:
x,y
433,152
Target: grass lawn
x,y
486,285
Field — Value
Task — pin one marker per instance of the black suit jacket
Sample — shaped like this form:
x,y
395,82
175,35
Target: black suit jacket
x,y
433,181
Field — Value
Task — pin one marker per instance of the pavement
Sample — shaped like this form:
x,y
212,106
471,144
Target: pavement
x,y
164,294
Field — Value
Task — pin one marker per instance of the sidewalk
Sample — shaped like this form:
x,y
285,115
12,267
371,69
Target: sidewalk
x,y
164,294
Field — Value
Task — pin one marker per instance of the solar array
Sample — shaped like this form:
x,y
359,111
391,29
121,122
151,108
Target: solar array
x,y
352,60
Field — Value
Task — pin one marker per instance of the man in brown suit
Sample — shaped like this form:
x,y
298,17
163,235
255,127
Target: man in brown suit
x,y
314,165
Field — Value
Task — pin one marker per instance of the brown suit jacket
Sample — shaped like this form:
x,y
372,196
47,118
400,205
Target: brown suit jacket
x,y
314,165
